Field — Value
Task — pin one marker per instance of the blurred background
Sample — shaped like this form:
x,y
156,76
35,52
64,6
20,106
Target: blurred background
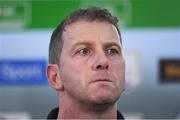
x,y
151,43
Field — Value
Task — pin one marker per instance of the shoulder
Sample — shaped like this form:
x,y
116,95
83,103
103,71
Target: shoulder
x,y
119,116
53,113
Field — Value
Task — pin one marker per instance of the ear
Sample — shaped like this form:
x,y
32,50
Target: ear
x,y
52,73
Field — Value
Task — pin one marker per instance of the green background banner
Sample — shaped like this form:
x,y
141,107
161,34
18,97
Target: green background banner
x,y
34,14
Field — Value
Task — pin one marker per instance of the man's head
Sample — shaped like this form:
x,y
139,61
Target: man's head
x,y
86,61
90,14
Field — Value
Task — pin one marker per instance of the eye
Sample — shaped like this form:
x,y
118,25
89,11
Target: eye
x,y
112,51
84,51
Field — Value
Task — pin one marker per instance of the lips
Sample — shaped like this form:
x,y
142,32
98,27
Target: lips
x,y
101,77
102,80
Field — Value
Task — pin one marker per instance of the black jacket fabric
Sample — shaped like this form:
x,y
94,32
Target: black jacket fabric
x,y
54,114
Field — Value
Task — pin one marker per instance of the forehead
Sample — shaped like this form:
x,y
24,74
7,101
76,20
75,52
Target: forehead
x,y
91,31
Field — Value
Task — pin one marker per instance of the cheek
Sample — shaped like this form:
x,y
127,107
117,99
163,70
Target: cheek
x,y
71,67
118,65
78,69
118,69
73,72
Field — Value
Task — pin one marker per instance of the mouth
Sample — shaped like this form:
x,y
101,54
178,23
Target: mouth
x,y
102,80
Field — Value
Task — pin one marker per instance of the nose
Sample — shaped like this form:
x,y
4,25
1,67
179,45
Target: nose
x,y
100,62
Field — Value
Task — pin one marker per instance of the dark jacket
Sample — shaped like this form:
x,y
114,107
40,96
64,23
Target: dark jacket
x,y
54,114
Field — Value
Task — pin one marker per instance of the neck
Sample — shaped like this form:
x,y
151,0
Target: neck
x,y
69,109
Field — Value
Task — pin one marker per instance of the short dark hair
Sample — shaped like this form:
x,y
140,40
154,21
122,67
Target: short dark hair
x,y
89,14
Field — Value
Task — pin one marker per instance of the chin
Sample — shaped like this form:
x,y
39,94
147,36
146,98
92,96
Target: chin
x,y
104,95
102,103
105,98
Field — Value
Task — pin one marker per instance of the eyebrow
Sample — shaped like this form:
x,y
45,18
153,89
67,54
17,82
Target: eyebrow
x,y
83,43
86,43
89,44
110,44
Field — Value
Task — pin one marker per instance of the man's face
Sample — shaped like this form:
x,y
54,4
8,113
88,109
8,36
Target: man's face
x,y
92,68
